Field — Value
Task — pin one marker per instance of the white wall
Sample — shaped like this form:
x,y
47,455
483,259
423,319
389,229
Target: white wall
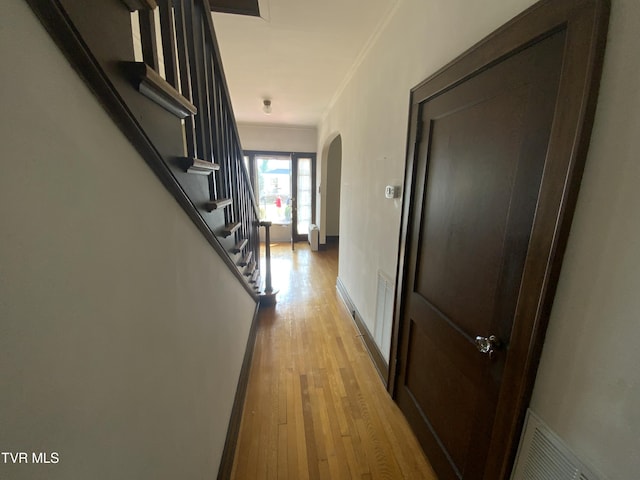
x,y
278,138
121,331
371,115
588,384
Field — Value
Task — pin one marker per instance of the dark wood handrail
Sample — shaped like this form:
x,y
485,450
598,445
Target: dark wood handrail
x,y
211,35
193,66
205,141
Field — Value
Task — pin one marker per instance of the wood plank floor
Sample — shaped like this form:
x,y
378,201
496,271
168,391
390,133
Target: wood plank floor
x,y
316,407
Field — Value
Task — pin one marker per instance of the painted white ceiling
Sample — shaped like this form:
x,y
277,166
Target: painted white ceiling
x,y
298,55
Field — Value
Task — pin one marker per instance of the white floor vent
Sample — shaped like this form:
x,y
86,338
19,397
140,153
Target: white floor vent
x,y
384,315
542,455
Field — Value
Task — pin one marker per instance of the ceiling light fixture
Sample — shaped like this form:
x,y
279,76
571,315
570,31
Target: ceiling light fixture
x,y
266,106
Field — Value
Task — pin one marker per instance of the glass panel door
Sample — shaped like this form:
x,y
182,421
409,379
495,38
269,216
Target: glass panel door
x,y
274,188
284,187
304,196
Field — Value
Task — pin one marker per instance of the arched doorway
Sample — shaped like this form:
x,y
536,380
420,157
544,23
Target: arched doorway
x,y
329,214
333,184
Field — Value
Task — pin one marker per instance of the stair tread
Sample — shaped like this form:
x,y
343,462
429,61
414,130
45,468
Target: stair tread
x,y
200,167
250,269
230,228
218,204
238,247
245,260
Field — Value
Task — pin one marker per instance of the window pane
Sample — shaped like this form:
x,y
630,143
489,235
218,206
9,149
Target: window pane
x,y
274,188
304,195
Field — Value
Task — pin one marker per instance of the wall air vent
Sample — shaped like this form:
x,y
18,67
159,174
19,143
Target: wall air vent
x,y
542,455
384,315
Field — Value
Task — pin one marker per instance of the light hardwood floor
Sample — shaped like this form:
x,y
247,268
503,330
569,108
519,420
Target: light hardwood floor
x,y
316,407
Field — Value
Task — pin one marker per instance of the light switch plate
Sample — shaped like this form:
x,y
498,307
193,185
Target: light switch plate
x,y
391,191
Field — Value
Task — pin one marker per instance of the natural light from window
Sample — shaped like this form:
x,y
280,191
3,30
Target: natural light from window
x,y
274,189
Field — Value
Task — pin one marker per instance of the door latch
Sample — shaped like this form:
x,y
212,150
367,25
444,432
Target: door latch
x,y
488,345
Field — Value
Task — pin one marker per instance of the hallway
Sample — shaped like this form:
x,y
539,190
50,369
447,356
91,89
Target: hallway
x,y
315,406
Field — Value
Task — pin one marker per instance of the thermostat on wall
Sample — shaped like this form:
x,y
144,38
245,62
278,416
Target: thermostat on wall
x,y
391,191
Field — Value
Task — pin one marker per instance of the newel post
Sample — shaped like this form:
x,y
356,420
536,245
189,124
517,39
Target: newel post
x,y
268,297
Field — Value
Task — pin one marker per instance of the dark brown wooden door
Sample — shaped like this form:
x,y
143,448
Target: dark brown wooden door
x,y
481,154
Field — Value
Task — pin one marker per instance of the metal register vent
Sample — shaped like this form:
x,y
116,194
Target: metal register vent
x,y
542,455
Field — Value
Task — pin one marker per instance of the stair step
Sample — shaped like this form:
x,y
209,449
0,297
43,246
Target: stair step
x,y
255,277
199,167
218,204
230,228
250,269
245,260
238,247
150,84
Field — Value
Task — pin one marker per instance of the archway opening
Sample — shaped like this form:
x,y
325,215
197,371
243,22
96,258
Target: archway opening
x,y
333,185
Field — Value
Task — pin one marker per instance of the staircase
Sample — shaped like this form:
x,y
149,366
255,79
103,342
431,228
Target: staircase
x,y
174,106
